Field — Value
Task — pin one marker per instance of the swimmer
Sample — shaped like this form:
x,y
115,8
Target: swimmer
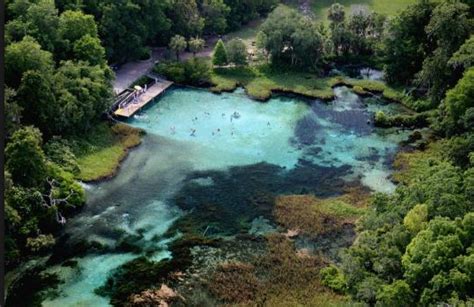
x,y
193,131
268,123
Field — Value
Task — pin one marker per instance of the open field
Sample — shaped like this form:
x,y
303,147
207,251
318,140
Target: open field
x,y
319,7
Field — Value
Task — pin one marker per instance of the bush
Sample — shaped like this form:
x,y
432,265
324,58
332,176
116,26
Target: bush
x,y
418,120
40,243
193,72
145,54
333,278
220,54
237,52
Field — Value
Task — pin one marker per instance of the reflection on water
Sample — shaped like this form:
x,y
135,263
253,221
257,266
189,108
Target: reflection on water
x,y
220,159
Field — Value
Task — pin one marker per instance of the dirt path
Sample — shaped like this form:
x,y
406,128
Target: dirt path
x,y
131,71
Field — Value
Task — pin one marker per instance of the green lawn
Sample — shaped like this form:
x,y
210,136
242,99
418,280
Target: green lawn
x,y
247,33
386,7
99,155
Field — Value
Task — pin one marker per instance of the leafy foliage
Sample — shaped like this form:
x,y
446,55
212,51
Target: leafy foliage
x,y
236,52
178,44
193,71
291,39
26,161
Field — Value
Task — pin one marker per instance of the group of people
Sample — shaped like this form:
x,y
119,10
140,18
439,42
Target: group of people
x,y
138,91
234,115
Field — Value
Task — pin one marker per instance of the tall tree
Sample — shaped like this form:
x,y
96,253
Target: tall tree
x,y
406,43
459,105
215,13
219,56
36,98
43,20
23,56
177,45
436,74
336,14
126,26
196,45
236,52
186,18
83,94
25,160
89,49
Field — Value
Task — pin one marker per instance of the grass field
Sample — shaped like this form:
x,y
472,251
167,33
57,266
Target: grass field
x,y
99,155
319,8
386,7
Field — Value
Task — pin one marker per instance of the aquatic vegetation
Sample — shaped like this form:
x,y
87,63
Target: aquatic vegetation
x,y
32,288
100,154
235,283
155,297
279,276
417,120
366,87
133,277
261,81
313,216
291,277
413,164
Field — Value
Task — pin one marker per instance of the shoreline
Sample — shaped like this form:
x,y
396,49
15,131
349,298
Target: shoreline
x,y
370,87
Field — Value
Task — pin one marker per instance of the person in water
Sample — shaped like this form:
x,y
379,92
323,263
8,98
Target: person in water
x,y
193,131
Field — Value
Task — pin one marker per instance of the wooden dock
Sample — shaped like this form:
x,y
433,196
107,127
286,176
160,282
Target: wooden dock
x,y
132,106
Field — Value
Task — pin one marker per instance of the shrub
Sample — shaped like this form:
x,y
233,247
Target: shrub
x,y
40,243
237,52
145,54
220,54
193,71
235,282
333,278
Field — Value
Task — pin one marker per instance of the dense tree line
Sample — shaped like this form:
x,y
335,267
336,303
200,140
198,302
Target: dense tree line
x,y
415,247
421,44
57,84
128,27
296,40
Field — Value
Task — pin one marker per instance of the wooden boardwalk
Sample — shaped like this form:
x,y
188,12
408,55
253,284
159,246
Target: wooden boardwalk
x,y
133,106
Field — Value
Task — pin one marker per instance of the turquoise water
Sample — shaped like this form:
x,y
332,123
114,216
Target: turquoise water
x,y
220,160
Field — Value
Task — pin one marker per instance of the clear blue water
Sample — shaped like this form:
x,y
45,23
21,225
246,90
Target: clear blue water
x,y
204,151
